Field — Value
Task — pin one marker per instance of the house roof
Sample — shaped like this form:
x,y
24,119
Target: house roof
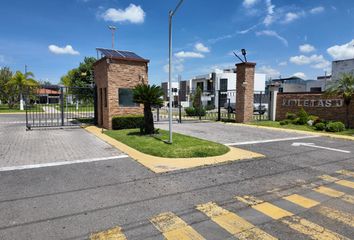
x,y
45,91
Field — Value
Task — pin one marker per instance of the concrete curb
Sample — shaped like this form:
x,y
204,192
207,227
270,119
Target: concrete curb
x,y
296,131
13,113
160,165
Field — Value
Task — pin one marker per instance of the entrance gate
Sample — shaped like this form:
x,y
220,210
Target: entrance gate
x,y
57,106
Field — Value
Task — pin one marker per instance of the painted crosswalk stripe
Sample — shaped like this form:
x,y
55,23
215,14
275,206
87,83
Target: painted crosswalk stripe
x,y
110,234
301,201
344,183
346,172
334,193
332,213
174,228
233,223
296,223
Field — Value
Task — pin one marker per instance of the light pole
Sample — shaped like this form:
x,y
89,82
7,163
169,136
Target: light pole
x,y
113,29
170,15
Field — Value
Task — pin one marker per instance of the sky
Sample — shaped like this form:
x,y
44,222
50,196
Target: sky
x,y
284,37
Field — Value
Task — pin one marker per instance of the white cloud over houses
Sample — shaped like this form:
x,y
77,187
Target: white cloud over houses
x,y
317,10
300,75
68,49
183,54
291,16
315,61
283,63
201,48
269,71
306,48
249,3
339,52
177,66
271,33
133,14
269,19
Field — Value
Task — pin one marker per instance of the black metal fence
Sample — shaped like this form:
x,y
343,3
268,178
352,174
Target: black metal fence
x,y
57,106
210,105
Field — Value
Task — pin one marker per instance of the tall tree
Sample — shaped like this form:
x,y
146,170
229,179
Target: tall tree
x,y
7,93
343,87
149,95
21,82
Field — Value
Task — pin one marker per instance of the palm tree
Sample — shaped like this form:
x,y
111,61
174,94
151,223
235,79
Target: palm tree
x,y
21,81
344,87
149,95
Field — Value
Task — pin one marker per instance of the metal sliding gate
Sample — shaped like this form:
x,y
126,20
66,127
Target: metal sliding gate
x,y
57,106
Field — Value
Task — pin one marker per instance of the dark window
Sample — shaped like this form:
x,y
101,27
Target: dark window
x,y
125,96
210,86
315,89
223,84
200,85
105,97
281,89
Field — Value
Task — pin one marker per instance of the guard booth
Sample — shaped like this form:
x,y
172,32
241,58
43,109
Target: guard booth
x,y
116,74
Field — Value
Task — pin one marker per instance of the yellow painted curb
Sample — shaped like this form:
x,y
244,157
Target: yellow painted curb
x,y
10,113
160,164
295,131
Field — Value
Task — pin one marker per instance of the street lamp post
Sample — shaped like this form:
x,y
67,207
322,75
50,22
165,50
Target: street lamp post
x,y
113,29
170,15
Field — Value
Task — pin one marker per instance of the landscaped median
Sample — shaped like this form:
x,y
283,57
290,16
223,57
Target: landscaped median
x,y
185,152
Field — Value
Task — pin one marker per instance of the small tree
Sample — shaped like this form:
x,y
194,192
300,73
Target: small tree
x,y
149,95
344,87
7,93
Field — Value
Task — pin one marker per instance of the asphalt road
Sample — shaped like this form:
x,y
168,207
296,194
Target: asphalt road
x,y
74,201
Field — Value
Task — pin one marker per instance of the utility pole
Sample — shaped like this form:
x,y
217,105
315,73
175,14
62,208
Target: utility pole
x,y
113,29
170,15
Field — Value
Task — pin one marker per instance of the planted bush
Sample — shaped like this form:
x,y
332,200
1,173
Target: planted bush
x,y
191,111
284,122
128,121
320,126
335,127
303,117
290,116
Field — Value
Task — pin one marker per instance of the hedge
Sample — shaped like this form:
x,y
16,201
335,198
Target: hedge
x,y
127,121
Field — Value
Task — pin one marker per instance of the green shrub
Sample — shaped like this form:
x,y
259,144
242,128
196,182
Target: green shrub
x,y
191,111
284,122
335,127
128,121
313,118
320,126
303,117
296,121
290,116
209,107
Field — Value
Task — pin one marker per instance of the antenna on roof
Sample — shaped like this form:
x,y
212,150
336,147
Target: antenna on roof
x,y
238,57
113,29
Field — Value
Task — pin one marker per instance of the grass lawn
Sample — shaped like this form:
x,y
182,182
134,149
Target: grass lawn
x,y
81,108
275,124
4,108
183,146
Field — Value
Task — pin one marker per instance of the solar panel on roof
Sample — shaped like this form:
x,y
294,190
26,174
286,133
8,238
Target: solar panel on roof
x,y
118,54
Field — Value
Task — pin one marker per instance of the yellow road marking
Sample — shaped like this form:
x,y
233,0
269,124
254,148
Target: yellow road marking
x,y
233,223
311,229
337,215
301,201
110,234
345,183
334,193
174,228
346,172
298,224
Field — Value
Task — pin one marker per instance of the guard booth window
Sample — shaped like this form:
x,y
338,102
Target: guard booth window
x,y
125,97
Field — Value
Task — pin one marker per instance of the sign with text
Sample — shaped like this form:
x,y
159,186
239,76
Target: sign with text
x,y
319,103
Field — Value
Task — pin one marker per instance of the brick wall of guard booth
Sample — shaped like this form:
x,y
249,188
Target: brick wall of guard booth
x,y
110,76
327,108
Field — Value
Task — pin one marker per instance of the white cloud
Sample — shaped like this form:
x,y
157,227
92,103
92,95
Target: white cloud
x,y
68,49
249,3
283,63
183,54
339,52
133,14
269,71
269,19
316,61
300,75
290,16
306,48
201,48
317,10
271,33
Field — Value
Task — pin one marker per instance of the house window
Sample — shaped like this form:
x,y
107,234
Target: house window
x,y
315,89
125,97
200,85
223,84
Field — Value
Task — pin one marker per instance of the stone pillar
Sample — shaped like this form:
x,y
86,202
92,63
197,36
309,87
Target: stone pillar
x,y
244,92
